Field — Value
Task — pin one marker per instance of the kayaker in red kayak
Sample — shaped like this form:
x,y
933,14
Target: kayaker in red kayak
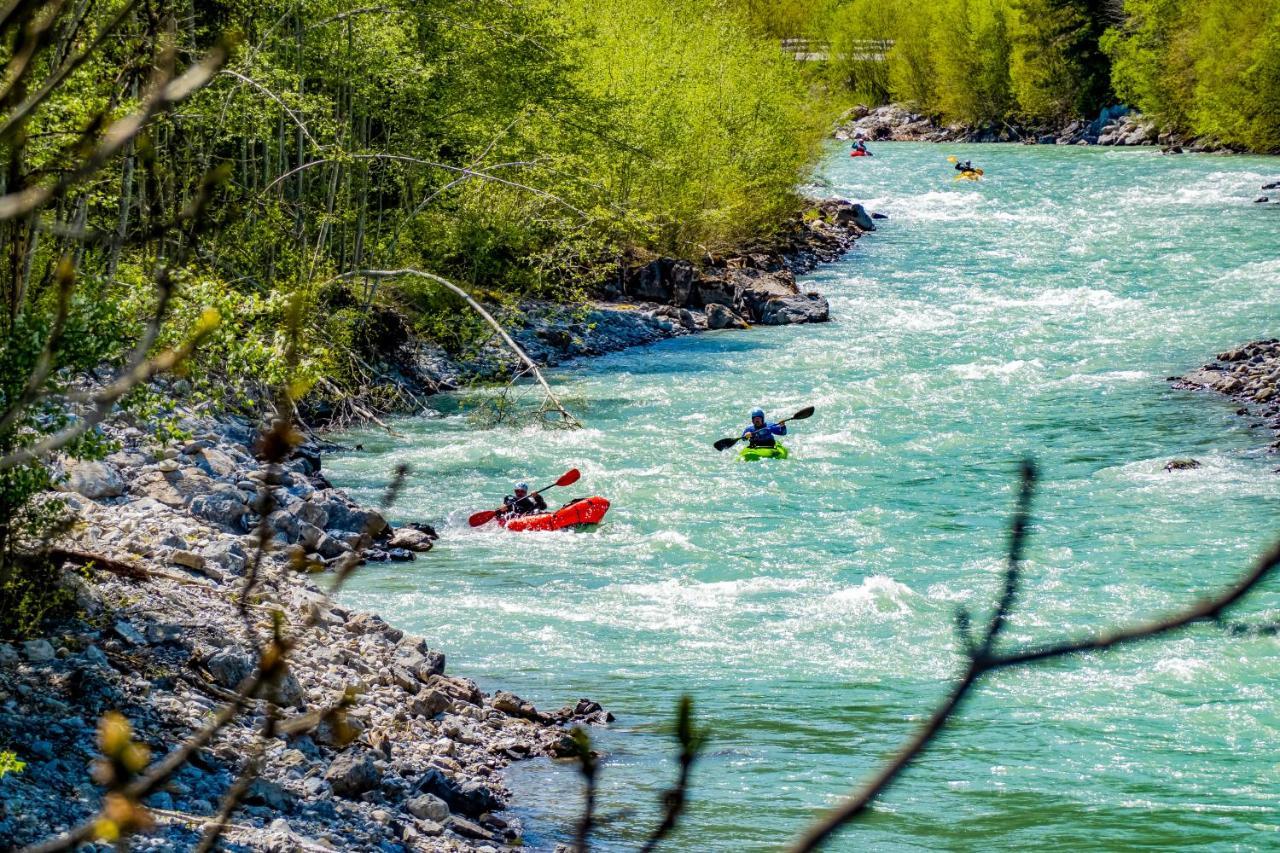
x,y
523,503
860,150
761,432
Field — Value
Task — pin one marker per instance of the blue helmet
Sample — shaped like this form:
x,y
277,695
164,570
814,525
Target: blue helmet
x,y
757,413
522,487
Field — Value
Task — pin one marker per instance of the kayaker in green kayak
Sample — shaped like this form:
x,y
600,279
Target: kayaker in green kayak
x,y
523,503
761,432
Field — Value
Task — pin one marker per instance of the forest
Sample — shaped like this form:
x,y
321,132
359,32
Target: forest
x,y
1052,61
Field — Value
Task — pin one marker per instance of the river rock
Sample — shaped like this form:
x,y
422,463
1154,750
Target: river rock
x,y
855,215
222,510
215,463
470,798
428,807
1181,464
810,308
353,772
430,703
348,517
38,651
95,480
231,665
721,317
413,540
226,554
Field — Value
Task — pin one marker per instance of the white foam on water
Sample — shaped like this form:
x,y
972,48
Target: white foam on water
x,y
876,594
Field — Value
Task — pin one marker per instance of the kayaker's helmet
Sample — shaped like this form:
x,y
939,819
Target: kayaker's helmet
x,y
757,413
522,489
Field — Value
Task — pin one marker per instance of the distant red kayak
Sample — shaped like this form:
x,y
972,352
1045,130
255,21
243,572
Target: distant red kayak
x,y
856,153
585,511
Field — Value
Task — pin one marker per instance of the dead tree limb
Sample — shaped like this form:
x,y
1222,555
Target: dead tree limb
x,y
568,419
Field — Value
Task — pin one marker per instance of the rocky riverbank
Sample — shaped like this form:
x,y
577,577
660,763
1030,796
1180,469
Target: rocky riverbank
x,y
1248,374
158,556
645,299
1115,126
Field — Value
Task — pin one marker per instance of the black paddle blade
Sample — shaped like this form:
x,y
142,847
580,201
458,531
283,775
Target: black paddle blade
x,y
725,443
806,412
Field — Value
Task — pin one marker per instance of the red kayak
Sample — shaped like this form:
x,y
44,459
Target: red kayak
x,y
856,153
582,511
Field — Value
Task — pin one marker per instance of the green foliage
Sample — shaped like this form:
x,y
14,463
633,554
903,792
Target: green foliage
x,y
9,763
1209,69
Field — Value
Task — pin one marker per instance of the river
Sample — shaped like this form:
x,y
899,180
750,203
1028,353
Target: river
x,y
808,606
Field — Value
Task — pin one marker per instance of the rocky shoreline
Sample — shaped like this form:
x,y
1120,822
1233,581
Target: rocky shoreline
x,y
1250,375
164,531
647,299
1116,126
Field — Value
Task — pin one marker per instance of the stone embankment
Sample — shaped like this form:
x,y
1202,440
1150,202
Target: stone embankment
x,y
652,299
166,531
1115,126
1249,374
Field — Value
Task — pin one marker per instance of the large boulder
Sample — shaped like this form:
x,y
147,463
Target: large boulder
x,y
353,772
220,509
720,317
348,516
413,540
855,215
470,798
810,308
94,480
215,463
717,289
758,288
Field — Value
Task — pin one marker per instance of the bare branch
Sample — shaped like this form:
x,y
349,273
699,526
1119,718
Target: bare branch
x,y
273,96
479,309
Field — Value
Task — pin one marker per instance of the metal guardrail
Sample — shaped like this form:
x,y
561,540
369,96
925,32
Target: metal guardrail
x,y
862,50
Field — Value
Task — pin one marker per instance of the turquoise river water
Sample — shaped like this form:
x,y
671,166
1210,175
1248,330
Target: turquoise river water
x,y
808,605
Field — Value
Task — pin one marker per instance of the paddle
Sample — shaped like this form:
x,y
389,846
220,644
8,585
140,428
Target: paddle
x,y
568,478
726,443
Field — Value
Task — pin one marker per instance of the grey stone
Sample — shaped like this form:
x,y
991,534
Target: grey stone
x,y
215,463
226,554
408,538
721,317
313,513
190,559
222,510
352,773
267,793
38,651
343,516
428,807
795,309
128,633
94,480
8,655
96,657
429,703
231,665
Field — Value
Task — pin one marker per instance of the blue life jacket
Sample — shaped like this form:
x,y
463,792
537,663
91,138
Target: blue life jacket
x,y
764,436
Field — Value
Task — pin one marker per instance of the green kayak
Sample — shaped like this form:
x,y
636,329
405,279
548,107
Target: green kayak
x,y
751,454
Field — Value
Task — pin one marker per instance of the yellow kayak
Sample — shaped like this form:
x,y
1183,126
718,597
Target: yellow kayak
x,y
975,175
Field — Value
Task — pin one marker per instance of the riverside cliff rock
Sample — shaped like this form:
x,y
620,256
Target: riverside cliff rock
x,y
645,300
160,639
